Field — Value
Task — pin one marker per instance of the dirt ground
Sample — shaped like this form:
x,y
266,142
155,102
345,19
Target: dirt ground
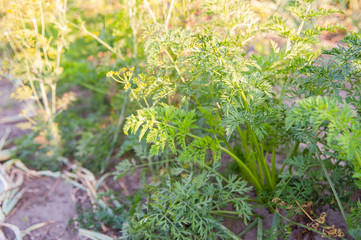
x,y
45,200
9,111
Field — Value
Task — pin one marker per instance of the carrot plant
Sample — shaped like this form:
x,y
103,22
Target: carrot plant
x,y
327,120
203,96
211,80
199,198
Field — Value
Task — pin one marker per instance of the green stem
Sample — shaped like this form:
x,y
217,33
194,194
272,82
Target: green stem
x,y
243,141
211,169
244,100
274,164
262,161
228,232
96,89
260,168
303,21
228,216
266,170
332,187
304,226
274,226
148,164
292,153
113,50
226,142
260,229
224,212
248,228
116,134
247,171
145,165
252,164
294,150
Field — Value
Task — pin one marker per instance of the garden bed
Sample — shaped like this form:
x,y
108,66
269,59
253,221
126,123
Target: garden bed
x,y
192,119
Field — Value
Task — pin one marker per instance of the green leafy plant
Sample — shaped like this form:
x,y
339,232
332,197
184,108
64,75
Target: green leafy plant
x,y
202,94
27,150
327,119
340,125
354,221
190,208
210,79
96,215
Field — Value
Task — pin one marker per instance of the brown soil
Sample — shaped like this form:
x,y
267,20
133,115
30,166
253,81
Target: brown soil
x,y
9,110
45,200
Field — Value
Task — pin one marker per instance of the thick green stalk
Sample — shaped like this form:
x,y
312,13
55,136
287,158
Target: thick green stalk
x,y
260,158
274,164
245,169
266,171
260,168
226,142
251,164
243,141
251,177
244,100
262,161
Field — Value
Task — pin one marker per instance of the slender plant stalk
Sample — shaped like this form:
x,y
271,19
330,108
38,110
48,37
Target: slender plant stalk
x,y
303,21
229,232
83,28
245,169
243,140
274,226
117,131
150,11
248,228
214,171
260,229
169,13
274,164
291,154
251,177
304,226
224,212
132,11
332,188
